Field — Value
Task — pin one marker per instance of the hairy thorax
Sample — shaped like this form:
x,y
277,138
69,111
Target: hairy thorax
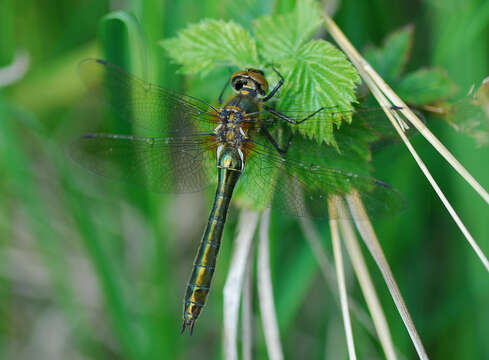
x,y
232,131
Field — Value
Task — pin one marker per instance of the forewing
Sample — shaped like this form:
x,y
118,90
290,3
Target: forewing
x,y
303,189
172,164
144,104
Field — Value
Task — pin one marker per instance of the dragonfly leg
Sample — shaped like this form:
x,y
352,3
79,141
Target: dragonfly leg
x,y
275,89
281,151
288,119
221,94
226,84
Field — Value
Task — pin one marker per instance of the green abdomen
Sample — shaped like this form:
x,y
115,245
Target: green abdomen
x,y
229,170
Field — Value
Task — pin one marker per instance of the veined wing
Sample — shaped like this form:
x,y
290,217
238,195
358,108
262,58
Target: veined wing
x,y
300,188
144,104
373,118
172,164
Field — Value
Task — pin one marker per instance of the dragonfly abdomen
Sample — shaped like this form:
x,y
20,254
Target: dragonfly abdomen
x,y
229,167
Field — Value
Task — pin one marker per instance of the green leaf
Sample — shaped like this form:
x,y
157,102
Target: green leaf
x,y
419,87
201,47
121,37
426,86
244,12
318,75
8,47
280,37
390,59
470,115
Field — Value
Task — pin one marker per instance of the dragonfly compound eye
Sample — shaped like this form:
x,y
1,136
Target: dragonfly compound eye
x,y
258,78
250,79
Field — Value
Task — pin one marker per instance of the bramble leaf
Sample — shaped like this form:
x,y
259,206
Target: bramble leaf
x,y
470,115
319,75
201,47
390,59
279,37
425,86
316,73
417,88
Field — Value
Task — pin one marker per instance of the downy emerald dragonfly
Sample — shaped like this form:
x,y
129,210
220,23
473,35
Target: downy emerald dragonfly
x,y
193,141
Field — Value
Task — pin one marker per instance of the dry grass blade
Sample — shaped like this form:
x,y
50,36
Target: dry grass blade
x,y
379,88
368,289
327,269
366,71
393,117
234,282
370,238
15,71
329,274
335,238
441,195
265,292
247,311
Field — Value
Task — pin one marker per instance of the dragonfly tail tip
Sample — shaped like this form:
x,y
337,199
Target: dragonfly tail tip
x,y
190,324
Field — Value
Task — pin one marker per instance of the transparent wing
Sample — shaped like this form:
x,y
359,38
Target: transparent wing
x,y
373,117
144,104
172,164
299,188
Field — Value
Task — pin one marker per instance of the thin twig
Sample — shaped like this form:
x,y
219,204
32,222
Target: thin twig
x,y
234,282
335,238
368,289
379,88
370,238
265,292
368,72
247,311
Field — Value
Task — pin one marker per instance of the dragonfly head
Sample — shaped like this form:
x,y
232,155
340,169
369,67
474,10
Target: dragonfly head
x,y
250,81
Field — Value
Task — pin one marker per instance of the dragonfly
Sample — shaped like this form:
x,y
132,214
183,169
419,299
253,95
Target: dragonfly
x,y
241,142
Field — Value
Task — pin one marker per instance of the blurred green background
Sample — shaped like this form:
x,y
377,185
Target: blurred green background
x,y
94,269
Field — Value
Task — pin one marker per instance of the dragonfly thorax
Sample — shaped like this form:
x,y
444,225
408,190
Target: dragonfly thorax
x,y
232,114
230,131
230,135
